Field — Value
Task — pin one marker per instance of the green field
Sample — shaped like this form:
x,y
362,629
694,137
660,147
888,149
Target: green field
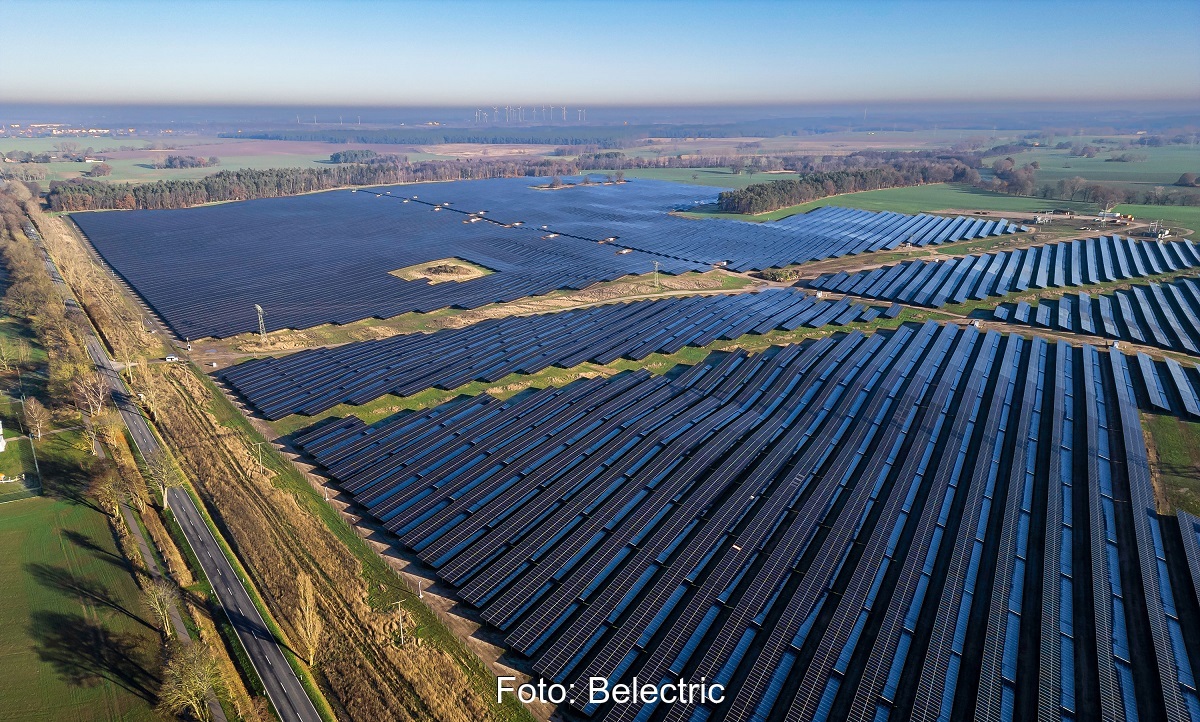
x,y
1175,217
1177,447
75,643
719,177
1162,167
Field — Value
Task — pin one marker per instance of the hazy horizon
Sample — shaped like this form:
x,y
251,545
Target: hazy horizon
x,y
466,53
867,116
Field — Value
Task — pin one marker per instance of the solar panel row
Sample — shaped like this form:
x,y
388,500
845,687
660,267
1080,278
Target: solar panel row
x,y
844,528
327,257
310,382
1164,315
1053,265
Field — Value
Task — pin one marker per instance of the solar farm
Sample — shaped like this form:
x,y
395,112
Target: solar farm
x,y
327,257
895,514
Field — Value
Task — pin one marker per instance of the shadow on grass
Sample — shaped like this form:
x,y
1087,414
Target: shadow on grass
x,y
62,476
81,589
1191,473
85,653
85,542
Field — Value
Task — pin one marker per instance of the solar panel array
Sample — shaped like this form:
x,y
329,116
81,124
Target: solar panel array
x,y
827,232
639,219
850,528
1165,315
309,382
1053,265
326,257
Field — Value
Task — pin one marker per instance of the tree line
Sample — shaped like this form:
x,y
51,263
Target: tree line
x,y
773,195
83,194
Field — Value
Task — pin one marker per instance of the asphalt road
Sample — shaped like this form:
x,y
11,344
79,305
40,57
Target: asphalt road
x,y
286,693
284,689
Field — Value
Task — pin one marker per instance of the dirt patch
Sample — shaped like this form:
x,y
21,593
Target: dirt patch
x,y
1161,504
442,270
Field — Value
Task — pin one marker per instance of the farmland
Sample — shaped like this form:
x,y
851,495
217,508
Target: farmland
x,y
1161,165
76,642
136,165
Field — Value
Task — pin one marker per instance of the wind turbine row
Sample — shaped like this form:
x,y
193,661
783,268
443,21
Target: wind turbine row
x,y
517,114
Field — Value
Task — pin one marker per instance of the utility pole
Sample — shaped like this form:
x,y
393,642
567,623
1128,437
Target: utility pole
x,y
656,275
262,326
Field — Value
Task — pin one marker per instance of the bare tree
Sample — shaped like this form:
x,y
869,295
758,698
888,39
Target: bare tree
x,y
150,396
91,433
108,426
92,389
160,596
310,623
37,417
1072,186
188,675
164,475
6,355
134,488
105,487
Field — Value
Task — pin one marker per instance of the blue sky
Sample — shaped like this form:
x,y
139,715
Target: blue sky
x,y
463,53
